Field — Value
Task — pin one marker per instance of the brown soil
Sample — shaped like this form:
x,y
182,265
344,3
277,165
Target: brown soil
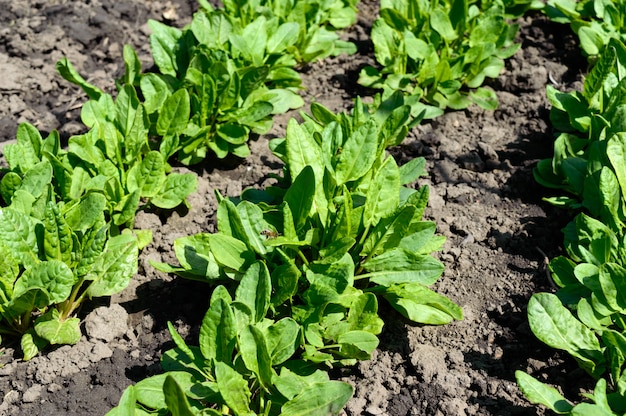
x,y
483,199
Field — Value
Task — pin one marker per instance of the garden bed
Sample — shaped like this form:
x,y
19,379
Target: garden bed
x,y
483,199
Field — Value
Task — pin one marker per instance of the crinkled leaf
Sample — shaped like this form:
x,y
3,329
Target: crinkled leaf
x,y
51,327
17,232
175,190
53,276
114,268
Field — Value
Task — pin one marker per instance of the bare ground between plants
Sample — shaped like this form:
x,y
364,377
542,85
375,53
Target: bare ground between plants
x,y
483,199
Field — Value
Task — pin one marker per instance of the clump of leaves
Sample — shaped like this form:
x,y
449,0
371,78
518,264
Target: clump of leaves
x,y
117,156
311,25
586,316
439,53
55,244
208,96
340,233
595,22
243,365
308,261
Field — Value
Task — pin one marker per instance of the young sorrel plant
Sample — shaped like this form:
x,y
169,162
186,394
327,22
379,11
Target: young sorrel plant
x,y
587,316
595,22
116,155
339,233
206,94
55,245
226,94
440,52
307,262
311,25
243,366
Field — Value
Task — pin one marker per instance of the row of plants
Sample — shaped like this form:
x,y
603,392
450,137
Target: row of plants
x,y
585,317
299,267
68,213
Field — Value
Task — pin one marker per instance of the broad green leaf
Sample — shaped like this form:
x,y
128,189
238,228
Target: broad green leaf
x,y
155,92
82,215
150,392
174,114
176,188
302,151
389,232
36,178
420,304
126,207
230,252
17,232
175,398
194,254
282,340
383,194
233,388
440,22
327,398
211,28
403,266
164,44
58,243
254,290
616,152
11,182
31,344
126,405
233,133
53,276
253,224
363,314
51,327
26,302
292,382
540,393
485,98
254,352
114,268
358,154
9,270
357,344
127,110
148,176
554,325
300,196
409,172
218,331
132,65
286,35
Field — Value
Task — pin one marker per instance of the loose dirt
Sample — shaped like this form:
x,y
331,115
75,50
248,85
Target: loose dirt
x,y
483,199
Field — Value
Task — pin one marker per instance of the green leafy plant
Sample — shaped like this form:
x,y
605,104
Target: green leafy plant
x,y
117,156
56,247
586,317
243,365
208,97
312,24
312,255
595,22
439,53
338,234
